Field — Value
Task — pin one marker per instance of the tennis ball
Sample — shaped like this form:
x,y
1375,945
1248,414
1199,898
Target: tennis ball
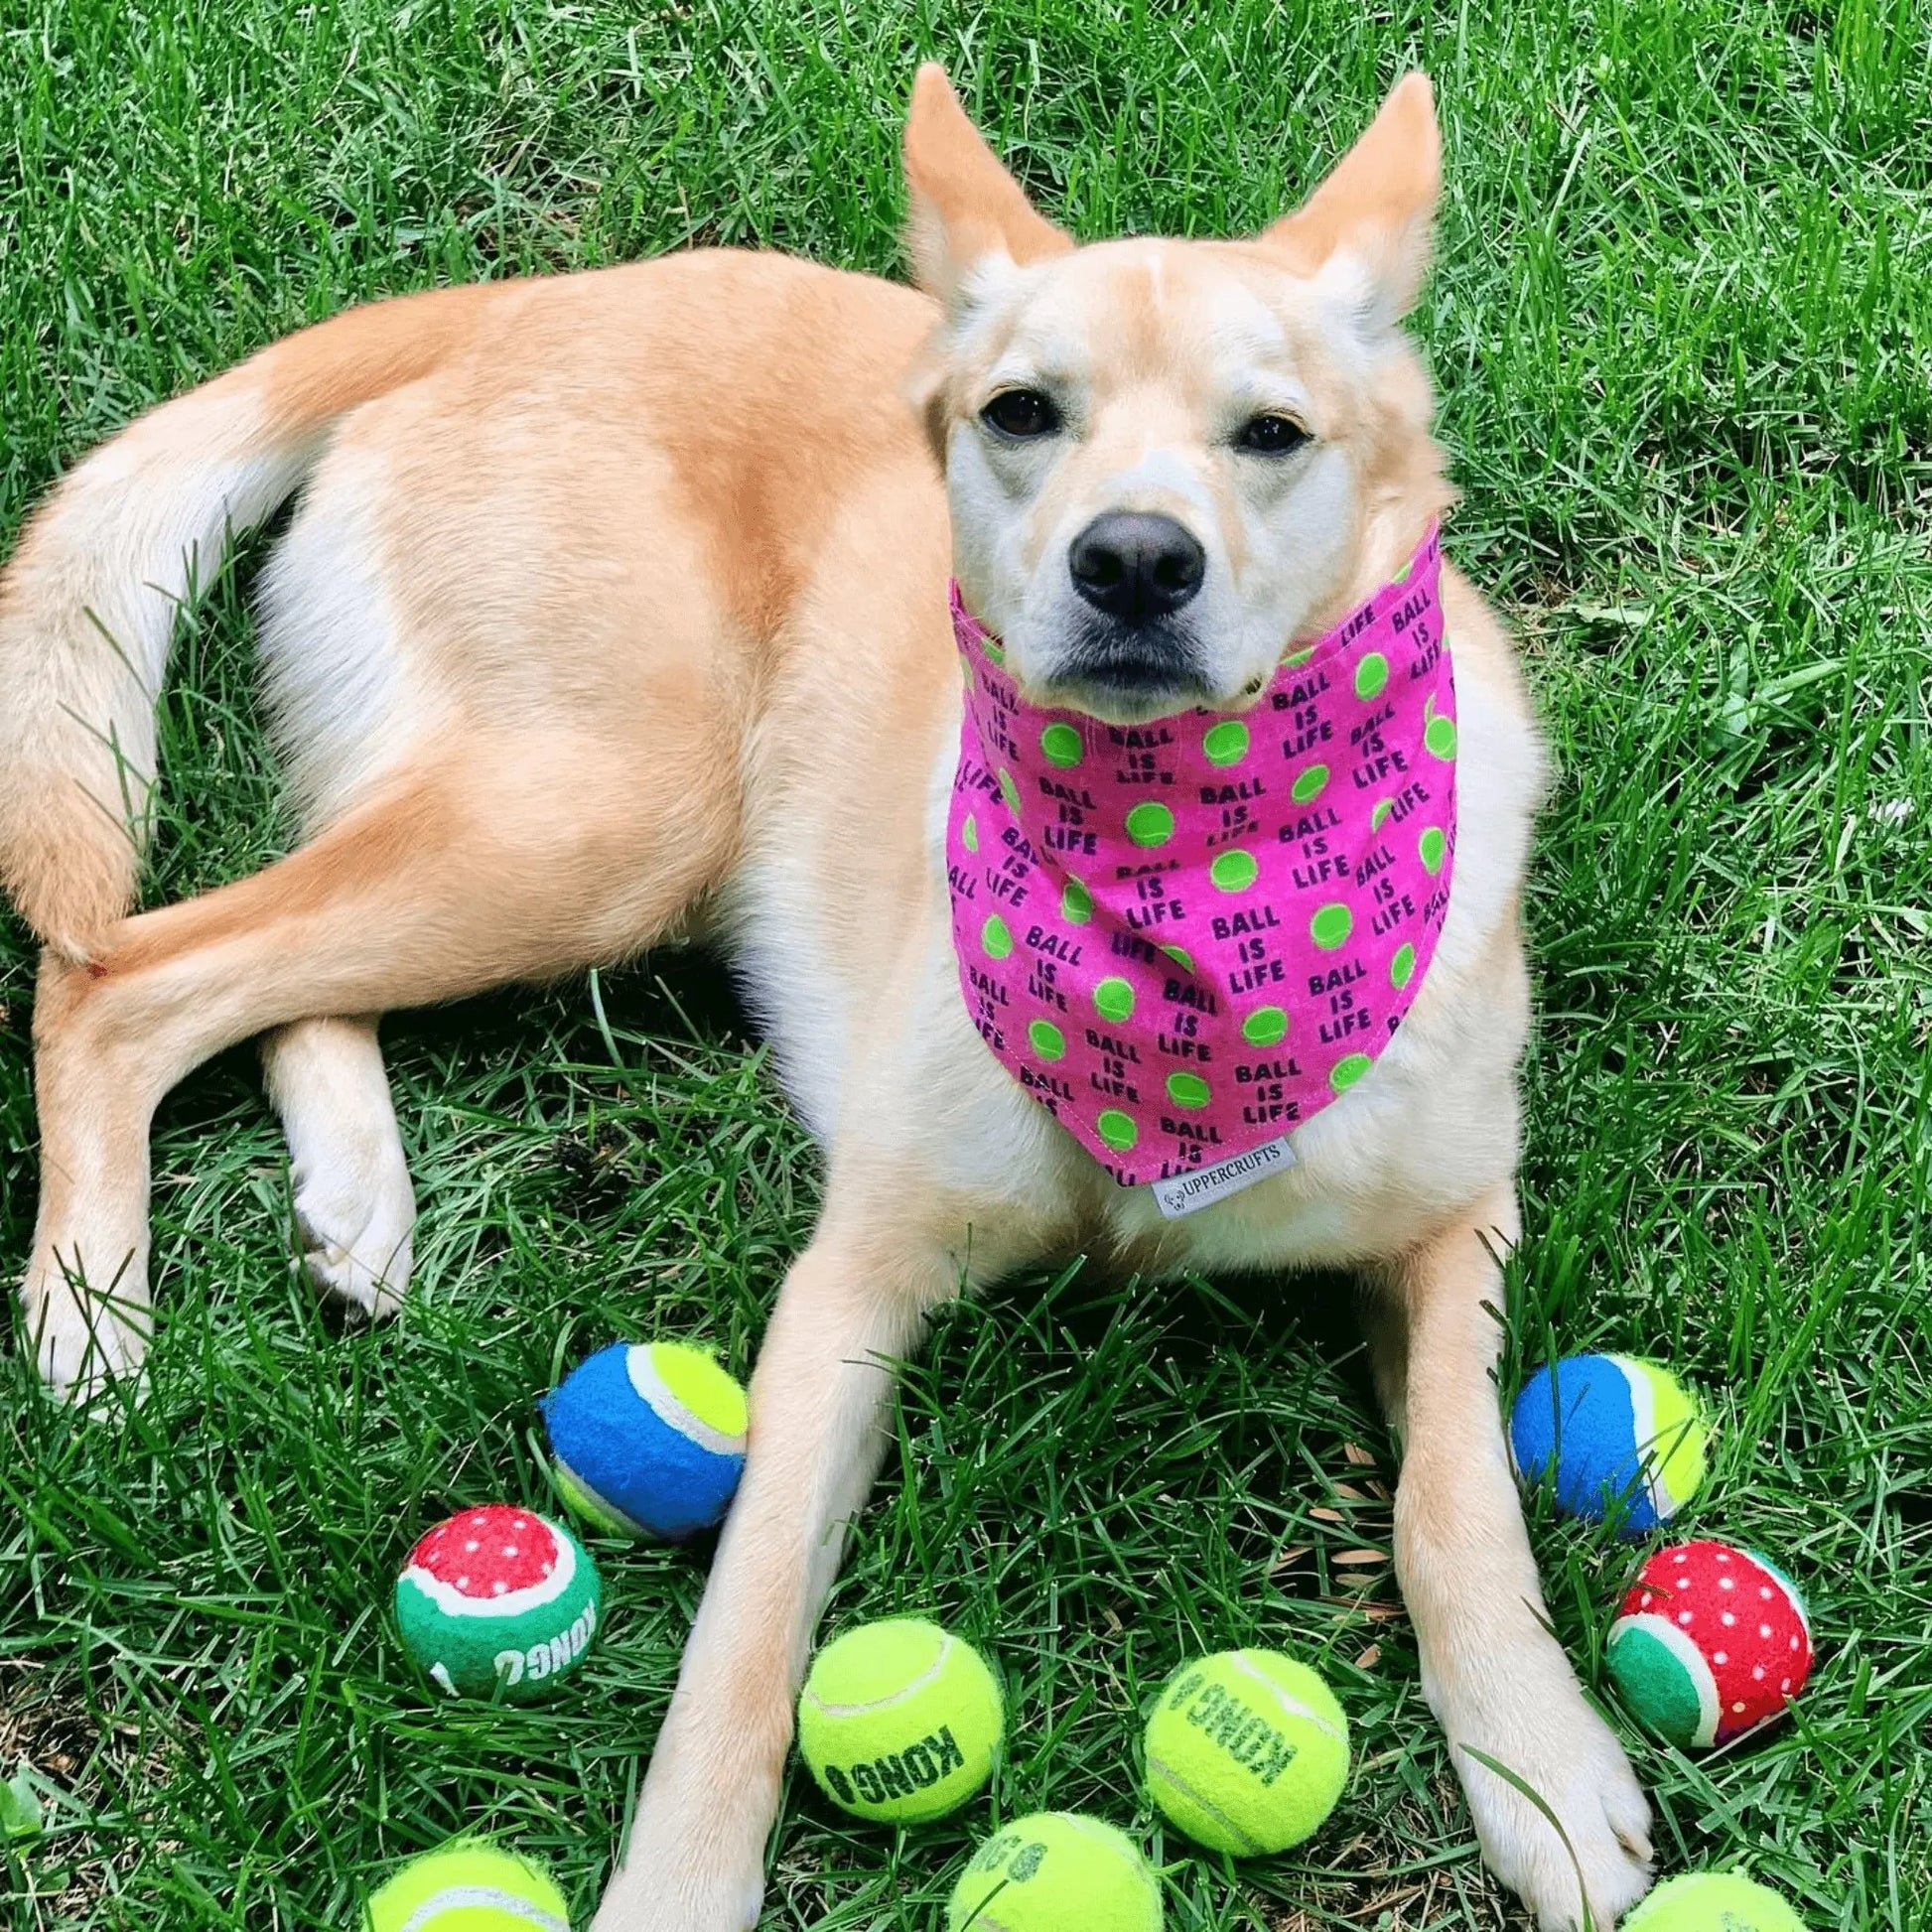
x,y
498,1597
1713,1901
469,1887
1247,1751
1622,1440
900,1721
1711,1642
648,1439
1056,1872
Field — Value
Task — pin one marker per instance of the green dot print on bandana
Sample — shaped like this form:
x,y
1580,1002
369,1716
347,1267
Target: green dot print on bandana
x,y
1207,894
1349,1070
1061,745
1332,926
1188,1090
1225,742
1234,872
1265,1027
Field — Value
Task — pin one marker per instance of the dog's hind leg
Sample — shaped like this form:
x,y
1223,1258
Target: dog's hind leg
x,y
525,859
1492,1671
354,1207
853,1305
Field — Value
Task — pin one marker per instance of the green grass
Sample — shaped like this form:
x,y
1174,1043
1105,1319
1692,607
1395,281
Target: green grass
x,y
1683,330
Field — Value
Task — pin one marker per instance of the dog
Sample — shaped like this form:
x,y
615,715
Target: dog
x,y
615,611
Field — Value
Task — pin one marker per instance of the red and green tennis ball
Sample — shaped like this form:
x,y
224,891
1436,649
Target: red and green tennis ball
x,y
1614,1436
469,1887
1712,1641
901,1721
1247,1751
648,1439
1056,1872
498,1600
1713,1901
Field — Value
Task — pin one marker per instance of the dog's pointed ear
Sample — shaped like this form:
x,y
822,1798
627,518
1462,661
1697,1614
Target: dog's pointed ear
x,y
965,207
1372,219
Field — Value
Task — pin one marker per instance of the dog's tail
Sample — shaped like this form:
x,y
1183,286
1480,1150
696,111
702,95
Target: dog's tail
x,y
87,606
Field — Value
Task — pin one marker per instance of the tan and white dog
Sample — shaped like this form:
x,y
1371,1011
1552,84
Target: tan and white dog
x,y
614,610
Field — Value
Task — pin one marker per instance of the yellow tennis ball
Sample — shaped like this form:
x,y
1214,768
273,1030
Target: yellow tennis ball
x,y
1713,1901
900,1721
1056,1872
1247,1751
469,1887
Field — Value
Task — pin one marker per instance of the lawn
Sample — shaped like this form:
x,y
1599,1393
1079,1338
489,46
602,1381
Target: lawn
x,y
1682,328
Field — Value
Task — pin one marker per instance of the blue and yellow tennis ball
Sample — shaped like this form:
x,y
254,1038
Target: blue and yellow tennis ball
x,y
497,1600
1713,1901
469,1887
1247,1751
648,1439
1615,1437
1056,1872
901,1721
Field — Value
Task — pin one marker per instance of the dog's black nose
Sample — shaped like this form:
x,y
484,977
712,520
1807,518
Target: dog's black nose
x,y
1135,568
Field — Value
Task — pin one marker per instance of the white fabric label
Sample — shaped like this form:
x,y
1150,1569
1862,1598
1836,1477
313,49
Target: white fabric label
x,y
1182,1193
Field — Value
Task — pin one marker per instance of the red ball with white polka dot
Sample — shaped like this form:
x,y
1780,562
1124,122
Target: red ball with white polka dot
x,y
499,1601
1711,1642
492,1551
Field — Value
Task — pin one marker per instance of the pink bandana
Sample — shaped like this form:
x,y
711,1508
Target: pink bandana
x,y
1186,938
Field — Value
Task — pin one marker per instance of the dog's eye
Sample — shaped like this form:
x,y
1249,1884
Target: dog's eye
x,y
1271,435
1021,414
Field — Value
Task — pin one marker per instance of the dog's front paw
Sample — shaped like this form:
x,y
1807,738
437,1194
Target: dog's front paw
x,y
1565,1752
672,1894
695,1862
